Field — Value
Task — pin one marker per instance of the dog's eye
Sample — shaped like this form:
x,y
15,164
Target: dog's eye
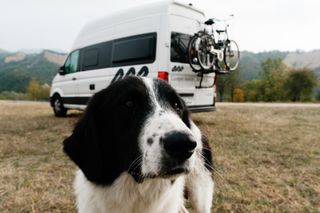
x,y
177,107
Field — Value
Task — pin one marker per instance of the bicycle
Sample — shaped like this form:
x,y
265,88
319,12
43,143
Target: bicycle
x,y
205,55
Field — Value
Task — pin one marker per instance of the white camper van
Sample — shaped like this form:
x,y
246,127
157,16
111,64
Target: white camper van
x,y
149,40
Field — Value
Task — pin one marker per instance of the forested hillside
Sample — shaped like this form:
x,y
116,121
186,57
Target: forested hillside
x,y
18,69
273,77
250,63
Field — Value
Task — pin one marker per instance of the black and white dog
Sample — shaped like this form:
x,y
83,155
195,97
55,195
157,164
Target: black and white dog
x,y
138,151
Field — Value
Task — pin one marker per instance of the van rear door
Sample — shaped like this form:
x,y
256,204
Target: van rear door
x,y
194,88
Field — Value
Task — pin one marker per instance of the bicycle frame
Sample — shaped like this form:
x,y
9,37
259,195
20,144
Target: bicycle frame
x,y
215,51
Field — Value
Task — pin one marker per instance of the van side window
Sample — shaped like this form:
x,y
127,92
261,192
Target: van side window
x,y
139,49
179,47
133,50
91,57
71,64
97,56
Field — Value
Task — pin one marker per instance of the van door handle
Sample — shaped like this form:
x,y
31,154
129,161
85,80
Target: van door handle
x,y
92,87
74,78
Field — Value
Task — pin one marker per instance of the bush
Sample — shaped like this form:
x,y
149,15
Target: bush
x,y
37,91
12,95
238,95
299,85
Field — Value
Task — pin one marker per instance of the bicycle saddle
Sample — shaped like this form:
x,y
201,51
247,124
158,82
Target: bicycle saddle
x,y
209,22
220,31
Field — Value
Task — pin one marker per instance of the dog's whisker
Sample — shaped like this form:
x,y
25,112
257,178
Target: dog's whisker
x,y
135,163
212,167
219,174
205,148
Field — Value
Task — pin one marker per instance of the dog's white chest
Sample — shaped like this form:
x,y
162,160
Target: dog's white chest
x,y
125,195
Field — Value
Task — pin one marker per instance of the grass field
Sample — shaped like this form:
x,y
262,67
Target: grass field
x,y
267,159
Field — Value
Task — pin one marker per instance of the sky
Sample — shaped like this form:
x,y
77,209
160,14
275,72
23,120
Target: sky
x,y
258,25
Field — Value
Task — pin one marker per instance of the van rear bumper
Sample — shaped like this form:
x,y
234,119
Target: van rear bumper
x,y
206,108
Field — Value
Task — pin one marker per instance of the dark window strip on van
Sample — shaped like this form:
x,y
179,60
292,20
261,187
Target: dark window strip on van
x,y
133,50
76,100
179,47
91,57
186,94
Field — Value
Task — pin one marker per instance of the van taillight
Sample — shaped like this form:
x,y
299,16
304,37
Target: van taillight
x,y
163,75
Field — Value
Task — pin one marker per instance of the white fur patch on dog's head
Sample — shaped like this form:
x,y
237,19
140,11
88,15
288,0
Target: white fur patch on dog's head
x,y
168,122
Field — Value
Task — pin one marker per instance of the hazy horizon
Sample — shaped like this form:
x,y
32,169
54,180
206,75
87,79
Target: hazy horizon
x,y
39,50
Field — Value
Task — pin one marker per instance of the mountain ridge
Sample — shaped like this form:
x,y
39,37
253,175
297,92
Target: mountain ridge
x,y
18,68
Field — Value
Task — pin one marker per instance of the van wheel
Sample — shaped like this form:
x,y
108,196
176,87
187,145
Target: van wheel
x,y
58,108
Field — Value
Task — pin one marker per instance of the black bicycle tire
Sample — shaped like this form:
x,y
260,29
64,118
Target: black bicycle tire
x,y
191,42
225,56
205,68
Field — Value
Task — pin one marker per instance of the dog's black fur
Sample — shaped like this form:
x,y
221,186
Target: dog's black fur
x,y
104,142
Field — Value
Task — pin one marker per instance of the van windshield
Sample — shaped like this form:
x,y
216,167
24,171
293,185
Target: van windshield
x,y
179,46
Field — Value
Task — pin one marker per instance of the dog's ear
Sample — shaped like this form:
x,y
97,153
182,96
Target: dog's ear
x,y
86,147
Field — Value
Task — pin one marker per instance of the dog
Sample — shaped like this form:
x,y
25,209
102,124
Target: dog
x,y
138,151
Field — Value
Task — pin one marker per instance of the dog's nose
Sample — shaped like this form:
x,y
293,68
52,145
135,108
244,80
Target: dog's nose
x,y
178,145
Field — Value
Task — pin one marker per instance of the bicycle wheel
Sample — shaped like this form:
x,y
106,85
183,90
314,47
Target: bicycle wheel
x,y
204,45
192,54
231,55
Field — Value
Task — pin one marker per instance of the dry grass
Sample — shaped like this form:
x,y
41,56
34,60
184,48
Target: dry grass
x,y
35,176
267,158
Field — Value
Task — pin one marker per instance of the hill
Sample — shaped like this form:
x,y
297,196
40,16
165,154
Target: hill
x,y
300,59
17,69
250,62
3,54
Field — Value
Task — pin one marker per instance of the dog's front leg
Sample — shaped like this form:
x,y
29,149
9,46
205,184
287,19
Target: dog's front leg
x,y
200,190
199,182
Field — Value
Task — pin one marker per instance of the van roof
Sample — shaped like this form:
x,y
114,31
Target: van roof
x,y
135,11
117,17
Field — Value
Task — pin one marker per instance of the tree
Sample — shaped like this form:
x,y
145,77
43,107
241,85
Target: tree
x,y
226,84
234,83
299,85
252,90
318,95
238,95
37,91
222,83
273,71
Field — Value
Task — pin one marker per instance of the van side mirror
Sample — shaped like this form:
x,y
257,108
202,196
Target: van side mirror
x,y
61,70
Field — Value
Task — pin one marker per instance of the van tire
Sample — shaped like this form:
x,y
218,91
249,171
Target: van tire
x,y
58,108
